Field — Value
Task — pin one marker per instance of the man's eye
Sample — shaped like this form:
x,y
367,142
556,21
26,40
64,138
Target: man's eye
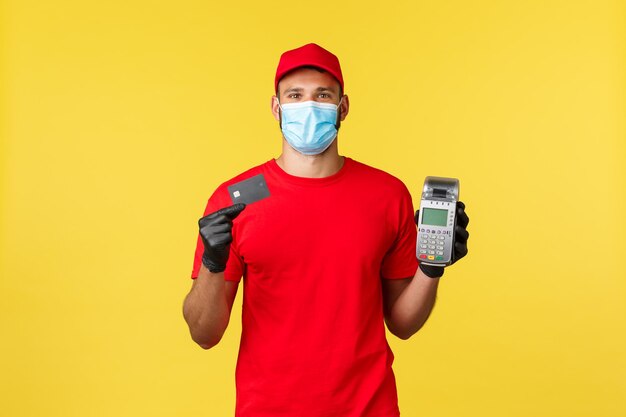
x,y
294,95
324,95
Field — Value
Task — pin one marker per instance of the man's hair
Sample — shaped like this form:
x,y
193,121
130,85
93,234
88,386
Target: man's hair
x,y
318,69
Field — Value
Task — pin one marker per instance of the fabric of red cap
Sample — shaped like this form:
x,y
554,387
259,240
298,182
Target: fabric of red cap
x,y
308,55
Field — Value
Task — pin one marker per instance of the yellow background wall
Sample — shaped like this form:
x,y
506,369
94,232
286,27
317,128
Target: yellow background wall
x,y
119,118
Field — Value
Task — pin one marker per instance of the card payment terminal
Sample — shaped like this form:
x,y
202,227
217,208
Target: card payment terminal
x,y
435,238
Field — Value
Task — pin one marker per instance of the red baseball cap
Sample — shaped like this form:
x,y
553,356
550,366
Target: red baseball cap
x,y
308,55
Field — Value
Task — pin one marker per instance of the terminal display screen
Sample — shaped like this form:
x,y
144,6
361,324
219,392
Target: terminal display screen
x,y
435,217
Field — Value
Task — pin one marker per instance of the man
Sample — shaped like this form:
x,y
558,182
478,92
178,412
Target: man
x,y
327,259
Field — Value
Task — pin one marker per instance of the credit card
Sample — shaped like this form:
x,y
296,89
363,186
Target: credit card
x,y
250,190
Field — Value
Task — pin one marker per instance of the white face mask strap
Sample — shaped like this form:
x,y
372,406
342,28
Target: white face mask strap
x,y
338,107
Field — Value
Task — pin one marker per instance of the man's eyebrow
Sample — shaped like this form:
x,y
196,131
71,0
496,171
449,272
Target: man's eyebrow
x,y
293,90
300,89
326,89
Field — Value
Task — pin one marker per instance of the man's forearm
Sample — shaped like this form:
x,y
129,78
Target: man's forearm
x,y
206,310
413,306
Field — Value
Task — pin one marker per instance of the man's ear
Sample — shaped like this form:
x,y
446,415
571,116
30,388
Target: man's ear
x,y
275,108
344,107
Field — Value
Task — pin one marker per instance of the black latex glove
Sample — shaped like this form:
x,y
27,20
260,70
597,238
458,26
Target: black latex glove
x,y
460,241
215,231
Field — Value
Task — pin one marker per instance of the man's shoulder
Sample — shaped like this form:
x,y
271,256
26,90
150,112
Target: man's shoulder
x,y
251,172
377,176
221,192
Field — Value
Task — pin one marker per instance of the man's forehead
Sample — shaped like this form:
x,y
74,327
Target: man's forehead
x,y
297,89
308,78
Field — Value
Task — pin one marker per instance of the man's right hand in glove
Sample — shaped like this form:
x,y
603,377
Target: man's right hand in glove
x,y
216,234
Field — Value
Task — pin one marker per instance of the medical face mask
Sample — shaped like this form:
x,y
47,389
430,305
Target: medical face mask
x,y
309,127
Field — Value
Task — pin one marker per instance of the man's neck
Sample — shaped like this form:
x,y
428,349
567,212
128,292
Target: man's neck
x,y
326,164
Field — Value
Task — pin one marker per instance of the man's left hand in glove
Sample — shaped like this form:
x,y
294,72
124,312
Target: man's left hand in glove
x,y
460,241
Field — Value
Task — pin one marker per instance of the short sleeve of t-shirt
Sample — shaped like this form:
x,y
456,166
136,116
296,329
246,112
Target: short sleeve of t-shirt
x,y
401,259
235,266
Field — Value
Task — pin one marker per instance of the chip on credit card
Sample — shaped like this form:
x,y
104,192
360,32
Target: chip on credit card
x,y
249,190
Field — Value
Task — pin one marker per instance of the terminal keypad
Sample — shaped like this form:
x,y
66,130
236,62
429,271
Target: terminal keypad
x,y
431,243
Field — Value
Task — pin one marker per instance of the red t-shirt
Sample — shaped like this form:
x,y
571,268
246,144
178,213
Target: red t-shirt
x,y
312,256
